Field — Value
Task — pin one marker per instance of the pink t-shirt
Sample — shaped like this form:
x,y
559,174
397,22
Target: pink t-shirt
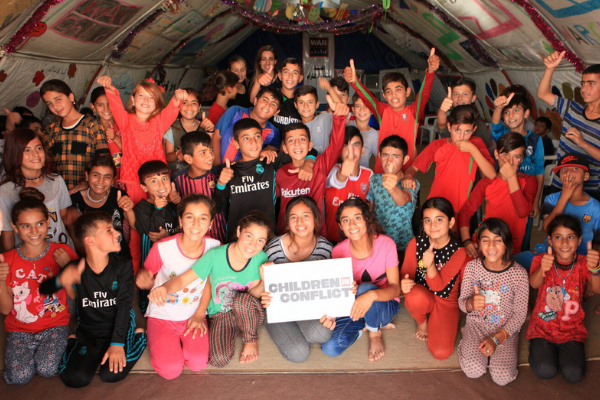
x,y
371,269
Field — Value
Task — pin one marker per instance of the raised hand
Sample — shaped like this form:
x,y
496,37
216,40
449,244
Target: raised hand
x,y
574,136
349,161
350,73
324,84
447,103
124,202
174,195
226,174
554,59
160,202
568,184
407,284
266,78
4,268
478,300
71,275
503,101
206,123
465,146
61,257
547,261
389,180
338,109
429,256
507,169
144,279
110,131
105,82
433,61
593,256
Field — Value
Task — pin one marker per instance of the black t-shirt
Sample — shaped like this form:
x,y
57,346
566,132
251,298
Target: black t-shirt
x,y
111,207
288,114
148,218
242,99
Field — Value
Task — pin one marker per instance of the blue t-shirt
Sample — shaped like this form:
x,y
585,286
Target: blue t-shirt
x,y
396,220
588,215
533,162
233,115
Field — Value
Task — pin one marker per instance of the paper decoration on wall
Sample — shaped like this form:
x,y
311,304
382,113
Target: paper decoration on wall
x,y
33,99
38,78
263,6
94,21
313,14
72,70
3,76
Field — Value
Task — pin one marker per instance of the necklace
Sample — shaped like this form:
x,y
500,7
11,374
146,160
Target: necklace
x,y
33,259
36,178
564,280
96,201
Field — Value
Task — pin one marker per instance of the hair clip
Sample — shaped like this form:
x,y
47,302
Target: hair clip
x,y
150,80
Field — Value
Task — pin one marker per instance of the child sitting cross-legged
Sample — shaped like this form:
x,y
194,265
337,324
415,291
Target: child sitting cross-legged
x,y
106,333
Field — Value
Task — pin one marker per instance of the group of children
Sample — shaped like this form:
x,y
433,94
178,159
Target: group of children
x,y
187,210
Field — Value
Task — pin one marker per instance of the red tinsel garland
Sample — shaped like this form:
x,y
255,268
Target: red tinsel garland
x,y
549,34
414,34
21,34
265,22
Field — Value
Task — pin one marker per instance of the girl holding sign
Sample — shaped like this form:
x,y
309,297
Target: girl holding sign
x,y
230,297
556,331
494,294
301,243
431,272
375,269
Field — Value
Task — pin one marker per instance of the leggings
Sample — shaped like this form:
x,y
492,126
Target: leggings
x,y
245,316
293,339
546,358
170,351
443,319
31,353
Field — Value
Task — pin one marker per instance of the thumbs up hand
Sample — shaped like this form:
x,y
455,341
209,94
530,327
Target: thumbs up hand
x,y
339,109
4,268
433,61
226,174
429,257
447,103
593,257
350,73
207,124
71,275
478,300
547,261
174,196
124,202
406,284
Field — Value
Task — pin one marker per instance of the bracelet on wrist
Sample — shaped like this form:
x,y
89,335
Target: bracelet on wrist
x,y
466,241
495,339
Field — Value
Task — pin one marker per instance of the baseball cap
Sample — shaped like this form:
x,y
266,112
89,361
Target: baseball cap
x,y
572,160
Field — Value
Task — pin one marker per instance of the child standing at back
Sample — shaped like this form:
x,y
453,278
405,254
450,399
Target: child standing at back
x,y
75,139
177,333
362,116
395,117
199,178
99,103
457,160
106,332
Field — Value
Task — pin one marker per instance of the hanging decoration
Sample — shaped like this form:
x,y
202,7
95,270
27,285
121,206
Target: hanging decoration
x,y
351,23
475,45
32,24
549,34
414,34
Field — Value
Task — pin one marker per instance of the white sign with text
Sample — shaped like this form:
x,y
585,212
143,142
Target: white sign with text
x,y
308,290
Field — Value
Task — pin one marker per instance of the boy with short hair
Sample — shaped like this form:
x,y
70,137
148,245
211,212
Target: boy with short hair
x,y
266,104
197,152
370,136
457,160
581,123
462,91
573,172
249,184
297,144
341,89
346,180
290,76
106,333
396,117
394,205
542,127
514,110
156,216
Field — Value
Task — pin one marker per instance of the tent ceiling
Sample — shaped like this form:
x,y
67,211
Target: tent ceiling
x,y
473,35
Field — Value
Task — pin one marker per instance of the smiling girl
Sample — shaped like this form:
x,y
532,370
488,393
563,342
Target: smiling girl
x,y
494,294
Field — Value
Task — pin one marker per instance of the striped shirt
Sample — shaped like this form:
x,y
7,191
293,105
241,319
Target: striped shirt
x,y
204,184
573,115
276,253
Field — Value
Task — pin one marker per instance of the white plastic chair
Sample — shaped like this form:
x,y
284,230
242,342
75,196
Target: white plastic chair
x,y
429,127
548,176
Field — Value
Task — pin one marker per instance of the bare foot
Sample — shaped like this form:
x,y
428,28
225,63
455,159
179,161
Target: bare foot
x,y
139,330
376,346
597,309
421,332
389,326
249,353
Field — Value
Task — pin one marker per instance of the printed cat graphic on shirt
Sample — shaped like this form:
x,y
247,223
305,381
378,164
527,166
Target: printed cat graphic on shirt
x,y
22,298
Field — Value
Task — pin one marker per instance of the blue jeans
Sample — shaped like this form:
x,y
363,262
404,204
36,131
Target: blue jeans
x,y
347,331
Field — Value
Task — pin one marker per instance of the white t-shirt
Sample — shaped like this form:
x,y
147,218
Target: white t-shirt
x,y
320,131
166,260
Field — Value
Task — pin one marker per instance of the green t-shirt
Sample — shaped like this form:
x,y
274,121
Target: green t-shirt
x,y
225,282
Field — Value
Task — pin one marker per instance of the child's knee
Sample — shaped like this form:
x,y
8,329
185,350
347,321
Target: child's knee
x,y
197,363
168,369
573,373
76,379
20,377
297,353
332,349
503,377
441,352
365,287
544,370
219,360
